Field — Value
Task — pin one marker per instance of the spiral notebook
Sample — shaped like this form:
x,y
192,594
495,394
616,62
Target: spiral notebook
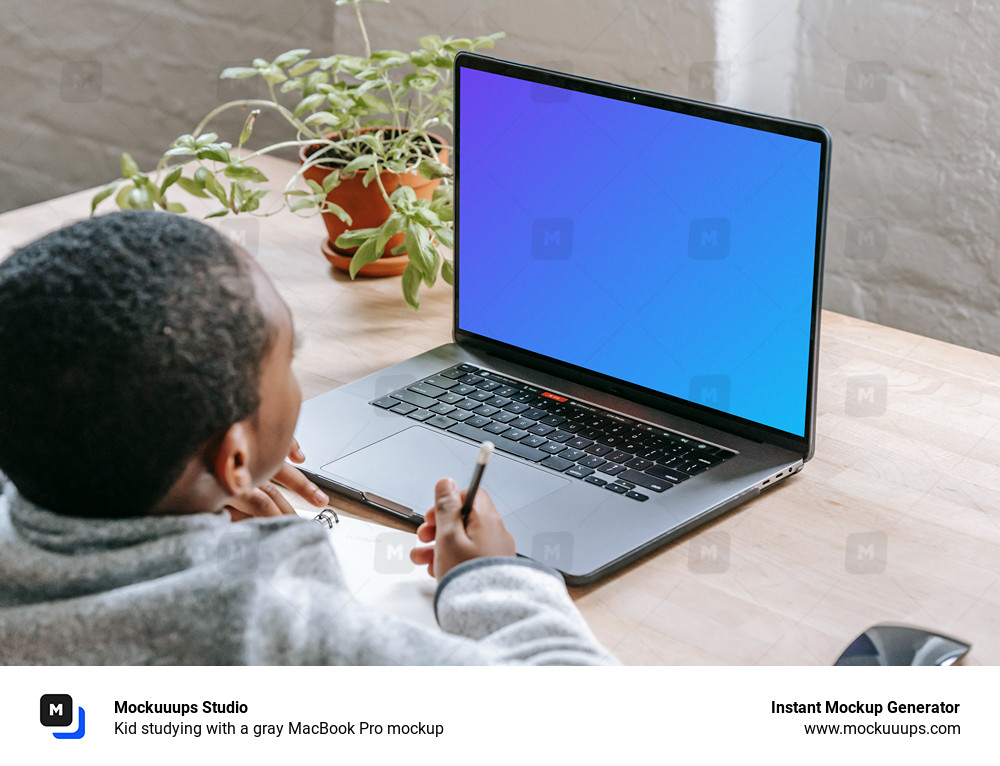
x,y
376,564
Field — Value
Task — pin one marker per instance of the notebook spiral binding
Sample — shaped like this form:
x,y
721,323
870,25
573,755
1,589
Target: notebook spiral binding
x,y
327,516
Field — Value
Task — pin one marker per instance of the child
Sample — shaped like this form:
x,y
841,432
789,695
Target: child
x,y
146,399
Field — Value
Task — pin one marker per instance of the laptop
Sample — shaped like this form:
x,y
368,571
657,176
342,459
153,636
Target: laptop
x,y
636,321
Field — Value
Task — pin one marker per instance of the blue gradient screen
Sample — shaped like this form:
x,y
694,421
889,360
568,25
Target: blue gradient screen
x,y
670,251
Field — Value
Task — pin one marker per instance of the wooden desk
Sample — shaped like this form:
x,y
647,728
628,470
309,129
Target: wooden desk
x,y
897,519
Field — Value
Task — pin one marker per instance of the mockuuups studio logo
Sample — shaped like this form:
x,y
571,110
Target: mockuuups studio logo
x,y
554,549
709,80
708,553
866,239
81,82
244,232
708,239
56,711
867,552
552,239
865,82
867,395
710,390
392,555
546,94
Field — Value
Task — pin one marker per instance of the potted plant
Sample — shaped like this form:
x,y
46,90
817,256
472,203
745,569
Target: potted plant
x,y
371,163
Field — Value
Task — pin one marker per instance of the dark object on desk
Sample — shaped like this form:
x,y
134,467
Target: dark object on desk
x,y
900,645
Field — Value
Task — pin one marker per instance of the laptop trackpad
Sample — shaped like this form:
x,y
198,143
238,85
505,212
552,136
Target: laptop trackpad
x,y
404,467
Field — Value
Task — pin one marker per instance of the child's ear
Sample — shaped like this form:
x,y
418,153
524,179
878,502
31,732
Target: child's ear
x,y
229,462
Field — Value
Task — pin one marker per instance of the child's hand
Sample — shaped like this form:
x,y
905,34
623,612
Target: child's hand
x,y
267,499
483,535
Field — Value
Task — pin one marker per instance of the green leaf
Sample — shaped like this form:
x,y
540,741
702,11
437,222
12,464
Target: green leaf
x,y
415,240
215,188
366,254
445,236
303,66
121,198
237,194
176,207
420,82
151,189
317,189
291,57
171,178
373,104
301,204
372,142
192,187
218,213
486,41
129,166
358,163
356,238
316,81
448,271
238,73
394,224
326,118
421,58
205,139
337,210
248,126
431,169
430,42
138,199
215,152
435,258
331,181
103,194
241,172
370,175
411,284
309,103
423,215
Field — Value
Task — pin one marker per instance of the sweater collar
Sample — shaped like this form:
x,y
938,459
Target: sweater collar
x,y
62,533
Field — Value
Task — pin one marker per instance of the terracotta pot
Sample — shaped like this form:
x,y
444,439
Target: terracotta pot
x,y
368,209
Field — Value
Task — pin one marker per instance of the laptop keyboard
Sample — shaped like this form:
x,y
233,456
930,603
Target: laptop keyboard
x,y
575,439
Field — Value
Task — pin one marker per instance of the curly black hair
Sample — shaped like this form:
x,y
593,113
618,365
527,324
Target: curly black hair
x,y
127,341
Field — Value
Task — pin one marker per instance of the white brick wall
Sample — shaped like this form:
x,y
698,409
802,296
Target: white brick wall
x,y
82,82
909,92
917,169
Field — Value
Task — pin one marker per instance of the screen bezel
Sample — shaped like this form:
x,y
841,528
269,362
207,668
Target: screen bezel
x,y
804,445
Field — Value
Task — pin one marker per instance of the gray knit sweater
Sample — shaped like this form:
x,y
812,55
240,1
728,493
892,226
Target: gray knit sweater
x,y
200,590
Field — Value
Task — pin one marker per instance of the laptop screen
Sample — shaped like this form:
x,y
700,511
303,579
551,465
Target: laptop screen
x,y
671,251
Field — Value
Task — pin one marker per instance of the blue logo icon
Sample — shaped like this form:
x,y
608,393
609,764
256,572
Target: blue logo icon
x,y
552,238
708,238
57,710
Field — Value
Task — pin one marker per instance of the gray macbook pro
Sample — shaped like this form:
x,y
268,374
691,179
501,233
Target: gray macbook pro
x,y
636,327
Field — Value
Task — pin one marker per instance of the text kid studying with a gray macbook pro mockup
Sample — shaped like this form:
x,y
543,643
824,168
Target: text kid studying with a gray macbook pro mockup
x,y
637,303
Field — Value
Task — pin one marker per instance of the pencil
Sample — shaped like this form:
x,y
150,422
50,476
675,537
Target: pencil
x,y
485,450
